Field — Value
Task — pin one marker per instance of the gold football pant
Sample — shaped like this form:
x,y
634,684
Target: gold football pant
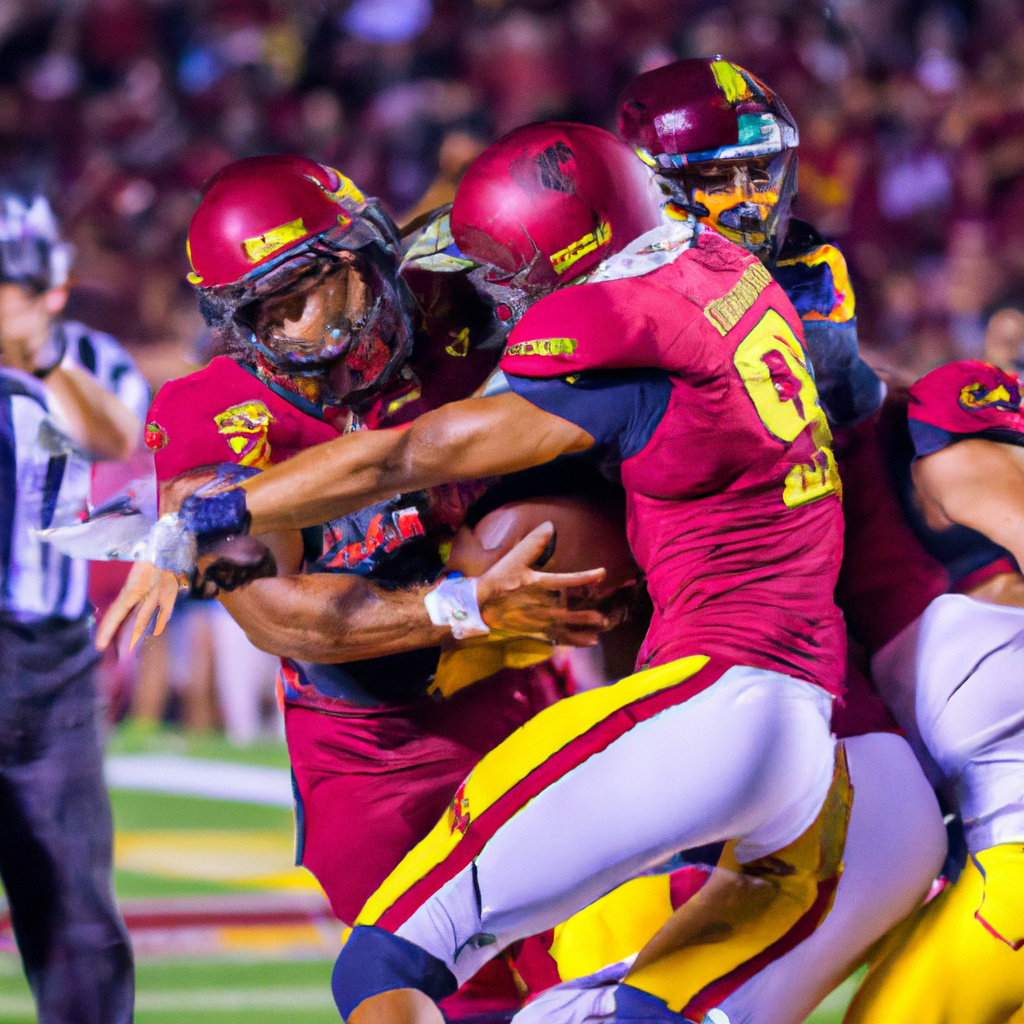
x,y
960,959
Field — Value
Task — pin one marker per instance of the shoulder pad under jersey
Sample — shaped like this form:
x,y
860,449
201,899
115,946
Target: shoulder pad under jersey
x,y
223,413
964,399
814,274
181,427
633,323
580,328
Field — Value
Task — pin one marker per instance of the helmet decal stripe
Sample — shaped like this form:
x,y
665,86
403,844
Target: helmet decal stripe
x,y
547,203
543,347
262,246
347,190
730,81
193,277
565,258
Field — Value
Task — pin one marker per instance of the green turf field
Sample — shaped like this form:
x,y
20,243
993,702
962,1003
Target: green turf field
x,y
189,992
142,812
218,991
832,1009
193,992
133,811
130,739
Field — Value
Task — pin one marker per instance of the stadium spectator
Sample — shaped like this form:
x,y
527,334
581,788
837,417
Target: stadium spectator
x,y
911,117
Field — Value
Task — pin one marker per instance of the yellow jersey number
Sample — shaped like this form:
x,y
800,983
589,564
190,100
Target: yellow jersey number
x,y
774,369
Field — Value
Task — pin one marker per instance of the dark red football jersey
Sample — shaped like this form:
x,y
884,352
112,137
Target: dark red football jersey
x,y
734,511
888,578
225,413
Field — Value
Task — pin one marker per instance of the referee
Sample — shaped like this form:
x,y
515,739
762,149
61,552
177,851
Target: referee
x,y
68,396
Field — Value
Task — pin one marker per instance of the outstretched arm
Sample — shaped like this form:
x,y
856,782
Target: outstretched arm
x,y
331,618
465,440
98,421
976,483
461,441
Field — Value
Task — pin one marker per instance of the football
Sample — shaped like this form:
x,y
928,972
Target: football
x,y
588,535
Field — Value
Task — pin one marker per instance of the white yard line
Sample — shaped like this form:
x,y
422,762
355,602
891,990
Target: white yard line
x,y
203,1000
193,776
236,999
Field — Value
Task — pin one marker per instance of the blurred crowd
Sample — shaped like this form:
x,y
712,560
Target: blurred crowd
x,y
911,113
911,116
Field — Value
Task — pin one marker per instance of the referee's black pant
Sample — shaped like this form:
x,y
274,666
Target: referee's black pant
x,y
56,831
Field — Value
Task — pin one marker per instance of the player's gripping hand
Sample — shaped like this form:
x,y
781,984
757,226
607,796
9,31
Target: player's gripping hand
x,y
515,598
147,589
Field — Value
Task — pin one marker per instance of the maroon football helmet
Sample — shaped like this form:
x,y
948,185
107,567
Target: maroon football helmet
x,y
722,143
277,233
546,203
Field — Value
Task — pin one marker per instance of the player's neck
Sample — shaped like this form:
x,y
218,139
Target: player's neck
x,y
308,388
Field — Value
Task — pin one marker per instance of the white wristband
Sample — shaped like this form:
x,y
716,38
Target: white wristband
x,y
453,603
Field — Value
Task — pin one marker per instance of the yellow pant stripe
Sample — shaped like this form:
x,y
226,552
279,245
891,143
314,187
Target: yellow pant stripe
x,y
614,927
512,761
745,911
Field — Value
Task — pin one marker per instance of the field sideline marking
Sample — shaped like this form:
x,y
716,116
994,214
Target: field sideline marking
x,y
194,776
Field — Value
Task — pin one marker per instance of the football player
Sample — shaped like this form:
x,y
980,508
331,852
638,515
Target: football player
x,y
723,146
952,677
298,273
674,354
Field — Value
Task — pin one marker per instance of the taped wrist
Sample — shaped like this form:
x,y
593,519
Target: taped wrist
x,y
453,603
210,516
168,545
219,515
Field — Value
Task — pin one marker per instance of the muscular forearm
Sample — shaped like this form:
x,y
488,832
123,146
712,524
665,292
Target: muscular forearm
x,y
976,483
461,441
321,483
331,618
98,422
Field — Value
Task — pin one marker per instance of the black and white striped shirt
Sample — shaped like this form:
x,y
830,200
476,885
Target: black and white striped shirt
x,y
44,483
